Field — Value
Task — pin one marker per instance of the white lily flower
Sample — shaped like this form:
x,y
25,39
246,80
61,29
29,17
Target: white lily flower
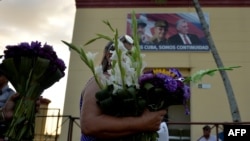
x,y
116,87
98,70
91,56
117,75
113,56
102,77
126,59
109,71
122,47
128,68
129,81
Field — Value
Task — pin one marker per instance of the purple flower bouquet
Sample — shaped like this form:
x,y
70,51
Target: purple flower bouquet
x,y
162,88
30,68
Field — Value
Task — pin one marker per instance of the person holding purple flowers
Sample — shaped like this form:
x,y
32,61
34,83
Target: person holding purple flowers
x,y
7,112
5,93
30,68
96,126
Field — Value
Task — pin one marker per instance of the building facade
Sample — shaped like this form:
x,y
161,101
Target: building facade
x,y
229,26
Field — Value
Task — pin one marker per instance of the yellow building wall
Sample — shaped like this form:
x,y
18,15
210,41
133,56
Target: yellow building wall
x,y
230,30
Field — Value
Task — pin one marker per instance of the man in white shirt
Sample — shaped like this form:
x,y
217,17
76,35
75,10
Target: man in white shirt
x,y
207,135
163,132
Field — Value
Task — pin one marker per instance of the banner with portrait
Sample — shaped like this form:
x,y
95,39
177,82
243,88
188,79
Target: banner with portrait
x,y
169,32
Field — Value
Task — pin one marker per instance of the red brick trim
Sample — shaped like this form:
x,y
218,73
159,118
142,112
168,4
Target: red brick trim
x,y
152,3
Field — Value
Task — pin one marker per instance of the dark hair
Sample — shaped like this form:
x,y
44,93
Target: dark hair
x,y
206,128
105,61
110,46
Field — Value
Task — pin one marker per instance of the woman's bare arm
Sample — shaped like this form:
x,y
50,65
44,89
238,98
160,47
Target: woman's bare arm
x,y
95,123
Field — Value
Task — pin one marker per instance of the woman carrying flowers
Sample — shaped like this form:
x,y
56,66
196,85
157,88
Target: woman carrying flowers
x,y
120,102
101,126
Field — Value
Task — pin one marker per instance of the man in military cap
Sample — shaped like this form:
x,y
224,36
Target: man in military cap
x,y
141,25
160,31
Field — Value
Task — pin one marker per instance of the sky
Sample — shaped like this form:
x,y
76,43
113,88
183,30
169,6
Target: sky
x,y
47,21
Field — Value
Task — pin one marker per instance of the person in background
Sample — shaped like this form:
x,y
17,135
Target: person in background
x,y
160,31
5,93
5,90
8,98
7,112
143,38
95,125
207,135
183,37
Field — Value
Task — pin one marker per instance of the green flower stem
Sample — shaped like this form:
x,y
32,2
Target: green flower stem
x,y
137,53
197,76
85,59
23,123
119,61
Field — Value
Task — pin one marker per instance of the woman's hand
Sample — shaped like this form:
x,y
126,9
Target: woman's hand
x,y
151,120
8,109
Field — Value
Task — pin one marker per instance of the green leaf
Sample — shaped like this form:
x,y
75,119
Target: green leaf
x,y
132,90
104,37
106,104
92,40
85,59
197,76
51,78
109,25
137,53
71,46
103,94
141,103
121,94
9,66
40,67
99,36
25,72
148,86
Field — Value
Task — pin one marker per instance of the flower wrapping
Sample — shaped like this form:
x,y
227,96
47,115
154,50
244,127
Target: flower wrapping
x,y
30,68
